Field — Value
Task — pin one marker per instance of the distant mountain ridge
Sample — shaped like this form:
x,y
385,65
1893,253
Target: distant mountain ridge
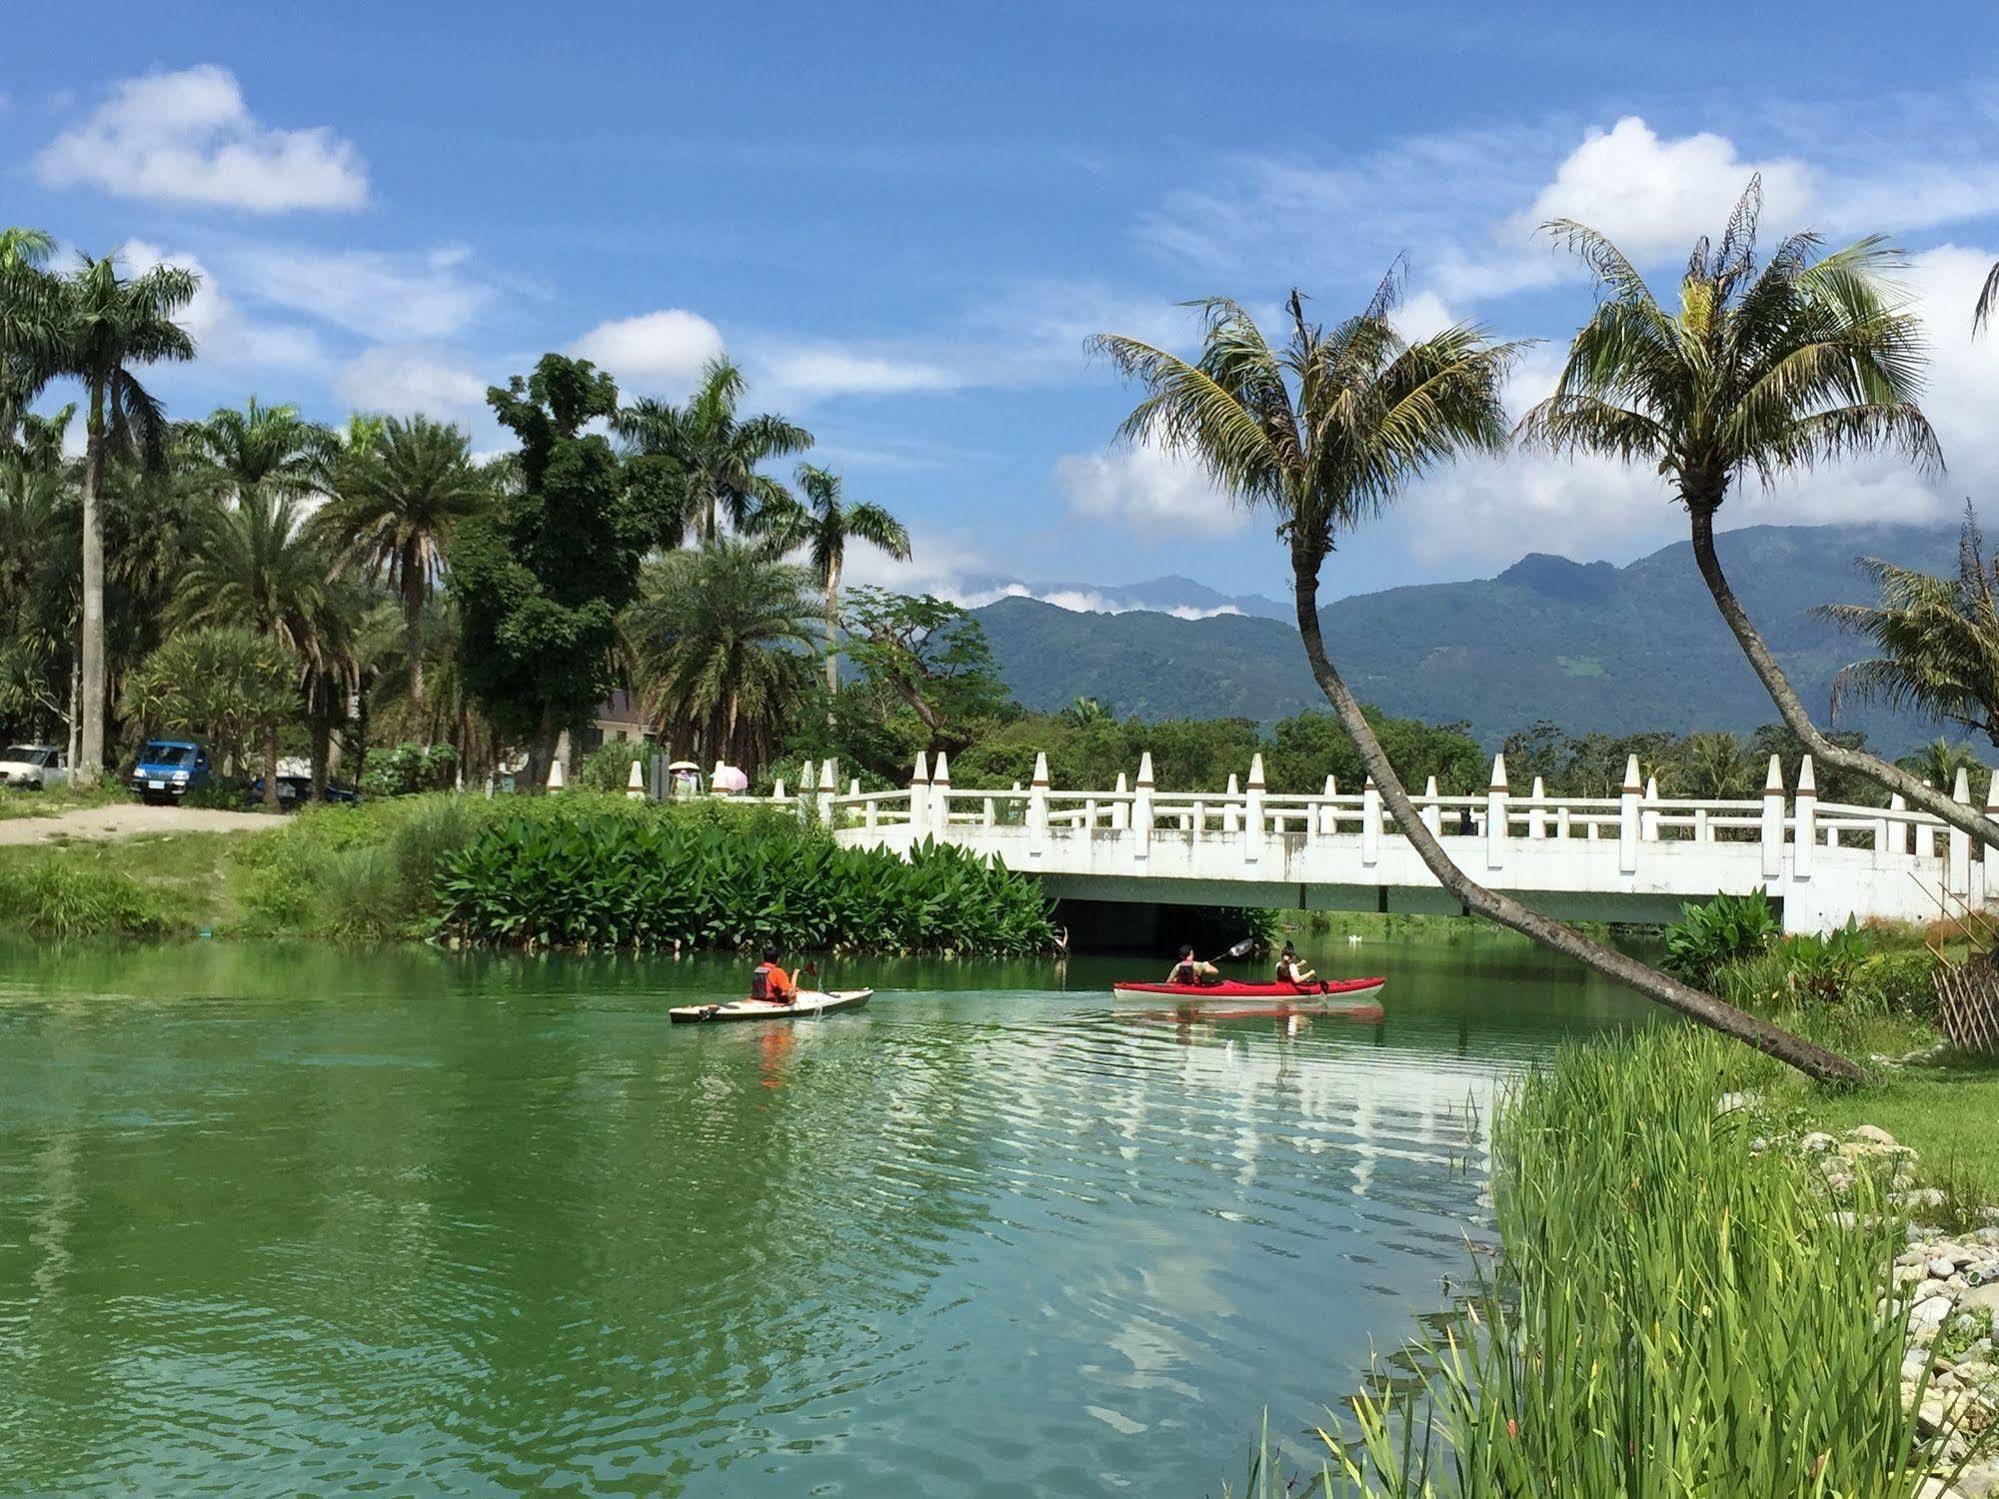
x,y
1591,646
1175,595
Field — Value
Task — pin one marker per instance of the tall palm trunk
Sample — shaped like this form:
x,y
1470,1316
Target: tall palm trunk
x,y
1918,793
90,757
832,631
413,582
1812,1060
271,767
75,710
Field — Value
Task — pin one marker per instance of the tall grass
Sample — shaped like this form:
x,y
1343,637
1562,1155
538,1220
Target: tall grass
x,y
50,895
1674,1313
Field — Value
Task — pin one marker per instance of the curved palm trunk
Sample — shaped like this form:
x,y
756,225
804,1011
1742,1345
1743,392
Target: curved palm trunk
x,y
1814,1061
1926,798
90,756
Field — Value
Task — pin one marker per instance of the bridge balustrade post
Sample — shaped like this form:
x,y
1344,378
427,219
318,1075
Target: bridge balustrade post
x,y
1627,818
1537,815
1894,832
1121,809
1232,808
1432,814
1196,820
1648,820
1495,815
1773,821
1370,823
1141,810
1562,829
808,780
1958,872
1252,843
1329,814
1702,832
1037,809
777,789
919,798
940,799
1806,813
829,786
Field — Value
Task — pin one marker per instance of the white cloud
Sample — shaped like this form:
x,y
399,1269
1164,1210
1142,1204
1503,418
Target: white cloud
x,y
1145,488
403,380
661,352
826,370
222,333
188,137
389,297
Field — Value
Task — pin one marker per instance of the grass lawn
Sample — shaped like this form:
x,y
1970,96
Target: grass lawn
x,y
60,799
1948,1115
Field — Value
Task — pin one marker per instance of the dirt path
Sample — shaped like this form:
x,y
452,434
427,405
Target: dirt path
x,y
125,821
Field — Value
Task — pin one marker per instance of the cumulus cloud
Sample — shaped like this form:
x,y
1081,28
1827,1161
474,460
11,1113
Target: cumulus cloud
x,y
820,371
405,380
188,137
1147,489
222,332
661,352
390,297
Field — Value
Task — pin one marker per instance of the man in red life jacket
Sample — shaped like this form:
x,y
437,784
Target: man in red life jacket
x,y
1189,970
770,982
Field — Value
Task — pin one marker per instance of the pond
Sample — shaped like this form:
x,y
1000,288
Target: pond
x,y
294,1219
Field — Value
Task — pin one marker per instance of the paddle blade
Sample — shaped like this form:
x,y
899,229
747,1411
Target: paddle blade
x,y
1243,948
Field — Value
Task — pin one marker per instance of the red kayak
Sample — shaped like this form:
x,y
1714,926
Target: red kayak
x,y
1234,989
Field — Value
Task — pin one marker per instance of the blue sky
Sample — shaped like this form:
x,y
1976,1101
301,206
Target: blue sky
x,y
904,221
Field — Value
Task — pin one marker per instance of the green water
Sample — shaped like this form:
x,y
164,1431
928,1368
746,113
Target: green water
x,y
296,1220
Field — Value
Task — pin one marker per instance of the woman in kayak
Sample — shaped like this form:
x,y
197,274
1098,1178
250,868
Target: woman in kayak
x,y
771,983
1291,971
1190,970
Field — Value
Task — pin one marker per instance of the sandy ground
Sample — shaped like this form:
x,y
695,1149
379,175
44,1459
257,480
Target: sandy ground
x,y
124,821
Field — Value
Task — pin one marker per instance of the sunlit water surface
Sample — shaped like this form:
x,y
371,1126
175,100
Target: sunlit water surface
x,y
298,1220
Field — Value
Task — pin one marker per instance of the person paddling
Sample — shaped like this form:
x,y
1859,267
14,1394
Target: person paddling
x,y
1190,970
771,983
1291,971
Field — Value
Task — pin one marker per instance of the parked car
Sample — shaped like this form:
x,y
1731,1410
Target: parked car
x,y
170,768
33,767
296,791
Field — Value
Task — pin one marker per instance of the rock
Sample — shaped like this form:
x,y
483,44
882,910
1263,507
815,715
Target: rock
x,y
1935,1488
1979,1481
1906,1275
1728,1103
1988,1234
1817,1143
1870,1135
1929,1312
1914,1256
1983,1298
1943,1267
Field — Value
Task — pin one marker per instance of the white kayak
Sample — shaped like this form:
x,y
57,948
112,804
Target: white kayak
x,y
810,1002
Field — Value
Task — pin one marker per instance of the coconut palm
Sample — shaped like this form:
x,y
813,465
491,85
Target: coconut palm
x,y
1764,367
399,495
1715,765
111,323
722,642
823,524
1326,431
256,566
712,453
1938,640
1939,761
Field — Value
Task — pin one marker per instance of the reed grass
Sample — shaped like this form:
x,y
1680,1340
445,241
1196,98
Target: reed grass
x,y
53,894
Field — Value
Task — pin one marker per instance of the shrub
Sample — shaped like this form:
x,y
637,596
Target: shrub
x,y
52,896
409,769
1724,930
221,794
609,766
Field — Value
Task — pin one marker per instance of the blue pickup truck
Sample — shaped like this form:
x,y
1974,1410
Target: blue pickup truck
x,y
169,769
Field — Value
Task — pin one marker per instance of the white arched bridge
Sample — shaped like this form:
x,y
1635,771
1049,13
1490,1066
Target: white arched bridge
x,y
1636,856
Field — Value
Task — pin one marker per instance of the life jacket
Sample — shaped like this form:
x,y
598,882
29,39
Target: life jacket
x,y
1284,970
760,982
1186,972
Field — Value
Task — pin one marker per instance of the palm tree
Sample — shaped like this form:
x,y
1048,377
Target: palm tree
x,y
399,497
713,452
1758,372
265,449
1715,765
257,566
824,525
1327,431
1086,712
30,323
1988,299
1938,639
110,323
722,640
1939,761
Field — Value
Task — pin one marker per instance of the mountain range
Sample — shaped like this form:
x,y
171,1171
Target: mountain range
x,y
1588,645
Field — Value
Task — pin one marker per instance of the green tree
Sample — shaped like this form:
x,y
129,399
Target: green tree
x,y
1939,761
930,653
111,323
1763,368
823,524
539,578
1937,638
256,450
400,493
722,639
31,323
1715,765
227,684
1326,431
713,454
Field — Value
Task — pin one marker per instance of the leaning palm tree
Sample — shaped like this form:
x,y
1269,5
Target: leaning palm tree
x,y
1758,372
824,524
722,641
1326,431
111,323
399,496
1938,640
256,566
713,453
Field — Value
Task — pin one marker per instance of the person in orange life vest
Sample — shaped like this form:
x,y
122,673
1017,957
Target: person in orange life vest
x,y
772,983
1191,970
